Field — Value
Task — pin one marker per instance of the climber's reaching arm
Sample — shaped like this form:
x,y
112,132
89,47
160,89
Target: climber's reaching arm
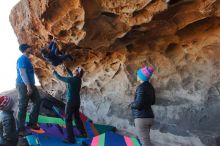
x,y
64,79
68,71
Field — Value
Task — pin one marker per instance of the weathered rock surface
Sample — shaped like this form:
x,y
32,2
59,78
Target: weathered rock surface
x,y
111,39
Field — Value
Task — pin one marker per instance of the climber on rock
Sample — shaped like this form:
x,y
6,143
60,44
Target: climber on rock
x,y
141,107
8,134
73,83
53,55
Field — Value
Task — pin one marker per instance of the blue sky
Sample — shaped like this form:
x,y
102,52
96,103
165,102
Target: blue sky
x,y
9,47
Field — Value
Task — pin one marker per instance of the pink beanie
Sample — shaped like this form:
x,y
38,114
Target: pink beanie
x,y
145,73
6,103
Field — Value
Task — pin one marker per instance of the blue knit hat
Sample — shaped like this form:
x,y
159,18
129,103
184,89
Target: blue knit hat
x,y
145,73
23,47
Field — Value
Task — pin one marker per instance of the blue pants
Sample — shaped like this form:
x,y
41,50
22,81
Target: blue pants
x,y
23,104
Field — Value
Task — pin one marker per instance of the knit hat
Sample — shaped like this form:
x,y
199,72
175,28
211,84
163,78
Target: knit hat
x,y
23,47
145,73
6,103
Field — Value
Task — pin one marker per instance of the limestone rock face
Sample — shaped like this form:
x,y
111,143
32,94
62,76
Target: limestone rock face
x,y
111,39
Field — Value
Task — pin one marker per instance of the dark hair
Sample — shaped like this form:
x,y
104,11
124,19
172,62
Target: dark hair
x,y
23,47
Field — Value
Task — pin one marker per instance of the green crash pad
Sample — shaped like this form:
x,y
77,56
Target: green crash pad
x,y
48,120
104,128
52,120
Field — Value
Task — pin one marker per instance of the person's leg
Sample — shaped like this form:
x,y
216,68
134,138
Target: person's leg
x,y
51,45
22,107
59,60
35,97
64,57
2,141
78,121
69,57
53,48
142,126
68,120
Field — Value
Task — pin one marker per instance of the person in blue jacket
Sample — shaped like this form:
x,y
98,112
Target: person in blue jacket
x,y
141,107
8,134
73,84
53,55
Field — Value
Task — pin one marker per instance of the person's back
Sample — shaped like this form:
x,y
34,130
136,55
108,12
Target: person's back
x,y
73,85
24,62
144,110
73,88
8,135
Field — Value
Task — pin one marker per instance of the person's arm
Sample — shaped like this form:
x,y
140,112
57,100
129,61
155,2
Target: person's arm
x,y
59,77
25,79
55,50
139,101
68,71
7,126
24,76
51,45
154,98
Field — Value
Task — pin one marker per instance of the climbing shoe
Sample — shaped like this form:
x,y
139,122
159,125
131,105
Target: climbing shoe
x,y
33,126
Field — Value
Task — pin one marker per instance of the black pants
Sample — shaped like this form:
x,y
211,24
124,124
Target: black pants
x,y
70,110
2,144
7,143
23,104
64,57
57,60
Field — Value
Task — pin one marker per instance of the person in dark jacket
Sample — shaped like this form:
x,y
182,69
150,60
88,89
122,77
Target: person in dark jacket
x,y
53,55
73,84
141,107
8,135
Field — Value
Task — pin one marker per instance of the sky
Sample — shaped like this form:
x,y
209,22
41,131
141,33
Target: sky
x,y
9,51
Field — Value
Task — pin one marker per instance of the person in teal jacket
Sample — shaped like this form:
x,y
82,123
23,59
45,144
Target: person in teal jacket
x,y
73,84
